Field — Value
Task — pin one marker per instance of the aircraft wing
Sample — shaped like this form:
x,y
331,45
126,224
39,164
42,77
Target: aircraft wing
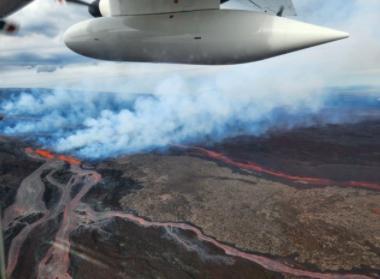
x,y
286,7
280,7
8,7
138,7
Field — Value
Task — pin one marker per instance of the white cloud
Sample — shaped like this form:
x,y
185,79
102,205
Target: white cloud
x,y
190,102
349,62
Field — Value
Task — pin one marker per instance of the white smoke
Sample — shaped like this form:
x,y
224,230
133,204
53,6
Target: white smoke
x,y
179,110
206,105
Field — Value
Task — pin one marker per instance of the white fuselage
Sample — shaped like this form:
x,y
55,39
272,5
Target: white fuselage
x,y
195,37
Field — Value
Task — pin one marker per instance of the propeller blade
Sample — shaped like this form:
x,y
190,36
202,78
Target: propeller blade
x,y
93,7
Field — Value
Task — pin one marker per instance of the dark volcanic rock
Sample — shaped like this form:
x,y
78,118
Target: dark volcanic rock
x,y
14,167
62,175
51,196
339,152
125,250
114,186
35,248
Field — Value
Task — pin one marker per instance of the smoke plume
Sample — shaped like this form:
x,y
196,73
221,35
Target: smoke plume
x,y
171,106
179,110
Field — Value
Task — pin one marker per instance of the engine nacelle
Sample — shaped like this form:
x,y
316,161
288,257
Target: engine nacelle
x,y
196,37
8,27
145,7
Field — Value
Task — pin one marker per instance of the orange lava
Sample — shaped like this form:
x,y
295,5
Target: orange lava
x,y
70,160
278,174
51,156
45,154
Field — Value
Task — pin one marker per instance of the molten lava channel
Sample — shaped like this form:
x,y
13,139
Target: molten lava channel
x,y
251,166
51,156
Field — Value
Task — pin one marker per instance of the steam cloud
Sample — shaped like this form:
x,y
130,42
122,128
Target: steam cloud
x,y
284,92
179,110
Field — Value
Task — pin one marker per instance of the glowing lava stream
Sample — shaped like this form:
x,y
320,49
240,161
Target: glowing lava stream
x,y
56,262
50,156
277,174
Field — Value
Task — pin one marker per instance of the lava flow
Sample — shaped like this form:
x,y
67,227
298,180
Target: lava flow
x,y
51,156
277,174
266,262
29,202
56,262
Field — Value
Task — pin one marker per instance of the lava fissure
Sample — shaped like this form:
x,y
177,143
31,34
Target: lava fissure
x,y
304,180
45,154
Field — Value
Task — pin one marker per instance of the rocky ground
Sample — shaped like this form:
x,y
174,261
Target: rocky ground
x,y
304,203
329,228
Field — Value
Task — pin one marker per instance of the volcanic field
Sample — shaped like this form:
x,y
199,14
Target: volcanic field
x,y
298,204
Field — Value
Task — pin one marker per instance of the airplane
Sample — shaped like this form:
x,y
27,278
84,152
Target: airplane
x,y
191,31
8,7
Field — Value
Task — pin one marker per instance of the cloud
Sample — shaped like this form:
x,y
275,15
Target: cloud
x,y
46,69
40,39
351,61
178,110
181,103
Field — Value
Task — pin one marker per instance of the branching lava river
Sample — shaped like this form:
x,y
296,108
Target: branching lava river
x,y
72,213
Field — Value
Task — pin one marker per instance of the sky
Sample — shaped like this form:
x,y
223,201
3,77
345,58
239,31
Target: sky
x,y
122,108
37,57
